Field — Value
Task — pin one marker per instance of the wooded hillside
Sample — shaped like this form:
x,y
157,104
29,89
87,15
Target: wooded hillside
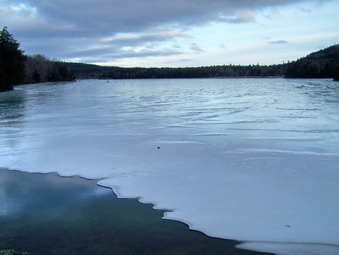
x,y
321,64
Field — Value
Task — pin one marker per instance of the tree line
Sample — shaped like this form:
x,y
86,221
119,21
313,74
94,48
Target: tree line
x,y
321,64
86,71
17,68
40,69
11,61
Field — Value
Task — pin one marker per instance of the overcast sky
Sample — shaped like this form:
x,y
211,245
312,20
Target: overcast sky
x,y
172,32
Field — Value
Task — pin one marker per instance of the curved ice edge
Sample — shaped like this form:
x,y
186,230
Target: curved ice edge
x,y
115,189
288,248
166,212
278,248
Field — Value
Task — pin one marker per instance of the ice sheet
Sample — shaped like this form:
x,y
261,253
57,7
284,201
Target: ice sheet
x,y
245,159
291,248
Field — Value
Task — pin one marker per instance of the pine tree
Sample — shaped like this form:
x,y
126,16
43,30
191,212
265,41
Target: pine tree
x,y
11,61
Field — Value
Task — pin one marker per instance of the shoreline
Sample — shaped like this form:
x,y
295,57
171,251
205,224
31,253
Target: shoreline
x,y
51,214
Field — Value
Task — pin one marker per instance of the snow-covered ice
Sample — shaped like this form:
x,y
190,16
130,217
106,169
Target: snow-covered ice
x,y
255,160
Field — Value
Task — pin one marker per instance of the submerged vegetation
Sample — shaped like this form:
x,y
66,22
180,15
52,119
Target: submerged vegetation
x,y
16,68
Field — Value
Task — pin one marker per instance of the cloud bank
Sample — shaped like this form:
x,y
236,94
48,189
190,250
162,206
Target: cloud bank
x,y
91,30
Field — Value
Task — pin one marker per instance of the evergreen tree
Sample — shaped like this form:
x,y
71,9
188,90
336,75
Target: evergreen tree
x,y
11,61
336,72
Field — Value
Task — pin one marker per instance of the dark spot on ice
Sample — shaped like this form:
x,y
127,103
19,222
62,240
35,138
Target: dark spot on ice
x,y
158,148
288,226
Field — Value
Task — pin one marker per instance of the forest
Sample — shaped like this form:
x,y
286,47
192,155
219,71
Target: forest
x,y
84,71
38,69
321,64
17,68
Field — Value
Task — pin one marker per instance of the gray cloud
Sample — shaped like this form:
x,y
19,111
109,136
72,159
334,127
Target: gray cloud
x,y
136,15
242,17
102,56
79,27
196,48
138,39
279,42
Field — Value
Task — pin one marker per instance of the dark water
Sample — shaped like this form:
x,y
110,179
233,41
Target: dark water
x,y
48,214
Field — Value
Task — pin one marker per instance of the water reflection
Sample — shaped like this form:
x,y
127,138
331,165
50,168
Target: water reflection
x,y
12,108
47,214
43,196
12,105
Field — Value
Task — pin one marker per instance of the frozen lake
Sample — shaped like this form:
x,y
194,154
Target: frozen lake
x,y
255,160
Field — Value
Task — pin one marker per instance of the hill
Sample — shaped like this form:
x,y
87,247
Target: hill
x,y
320,64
